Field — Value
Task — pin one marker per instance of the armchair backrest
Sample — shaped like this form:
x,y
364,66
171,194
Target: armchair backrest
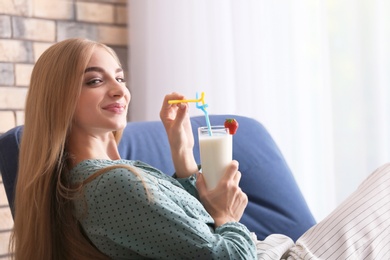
x,y
276,204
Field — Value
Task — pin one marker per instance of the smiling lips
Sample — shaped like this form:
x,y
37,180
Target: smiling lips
x,y
115,108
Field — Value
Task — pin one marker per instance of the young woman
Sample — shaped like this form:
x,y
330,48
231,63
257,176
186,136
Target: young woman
x,y
77,199
75,111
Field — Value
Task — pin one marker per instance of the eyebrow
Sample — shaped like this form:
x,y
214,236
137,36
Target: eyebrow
x,y
98,69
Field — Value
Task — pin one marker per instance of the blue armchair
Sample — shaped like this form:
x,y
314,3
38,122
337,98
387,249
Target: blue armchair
x,y
276,204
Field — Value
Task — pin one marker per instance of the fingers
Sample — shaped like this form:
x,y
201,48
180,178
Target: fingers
x,y
173,111
227,201
239,205
233,177
172,96
181,112
240,199
237,177
232,173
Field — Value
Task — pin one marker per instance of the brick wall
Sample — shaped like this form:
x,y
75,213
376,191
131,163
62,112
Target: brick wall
x,y
27,28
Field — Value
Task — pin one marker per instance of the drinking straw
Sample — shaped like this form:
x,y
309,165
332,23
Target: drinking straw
x,y
206,114
201,107
176,101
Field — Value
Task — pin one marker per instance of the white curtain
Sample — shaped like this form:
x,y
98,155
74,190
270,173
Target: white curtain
x,y
314,72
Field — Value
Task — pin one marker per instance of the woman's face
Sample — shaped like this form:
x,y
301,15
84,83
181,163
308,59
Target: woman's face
x,y
104,98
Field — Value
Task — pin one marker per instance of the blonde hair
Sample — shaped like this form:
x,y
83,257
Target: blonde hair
x,y
44,227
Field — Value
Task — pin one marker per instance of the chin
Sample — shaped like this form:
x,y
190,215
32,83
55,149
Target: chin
x,y
121,126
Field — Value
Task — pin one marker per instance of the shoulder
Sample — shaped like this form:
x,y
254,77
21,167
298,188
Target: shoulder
x,y
97,174
90,167
115,183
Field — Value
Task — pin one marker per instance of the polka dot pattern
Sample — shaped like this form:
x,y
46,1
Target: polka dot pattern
x,y
124,223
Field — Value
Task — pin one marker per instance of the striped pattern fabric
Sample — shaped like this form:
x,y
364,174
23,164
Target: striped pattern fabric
x,y
358,229
273,247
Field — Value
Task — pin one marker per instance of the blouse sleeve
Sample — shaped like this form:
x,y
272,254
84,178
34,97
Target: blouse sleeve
x,y
152,224
189,184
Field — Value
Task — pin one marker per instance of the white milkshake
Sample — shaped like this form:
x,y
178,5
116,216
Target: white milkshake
x,y
216,153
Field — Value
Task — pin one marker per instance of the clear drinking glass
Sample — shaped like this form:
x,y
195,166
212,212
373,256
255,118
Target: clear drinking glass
x,y
216,152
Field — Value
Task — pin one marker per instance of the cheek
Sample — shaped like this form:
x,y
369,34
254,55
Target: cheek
x,y
128,95
86,107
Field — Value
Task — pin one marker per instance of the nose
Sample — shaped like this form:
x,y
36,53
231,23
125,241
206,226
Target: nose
x,y
118,89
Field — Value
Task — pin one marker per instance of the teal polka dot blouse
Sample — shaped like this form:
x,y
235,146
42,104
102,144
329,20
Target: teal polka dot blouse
x,y
168,222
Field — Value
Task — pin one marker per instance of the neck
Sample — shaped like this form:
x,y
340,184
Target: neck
x,y
82,146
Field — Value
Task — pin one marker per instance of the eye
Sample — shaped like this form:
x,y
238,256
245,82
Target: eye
x,y
93,82
120,80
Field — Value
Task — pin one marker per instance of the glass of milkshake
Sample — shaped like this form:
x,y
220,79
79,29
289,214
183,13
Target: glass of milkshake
x,y
216,152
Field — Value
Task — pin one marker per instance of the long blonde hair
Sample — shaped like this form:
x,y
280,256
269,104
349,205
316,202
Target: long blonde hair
x,y
44,227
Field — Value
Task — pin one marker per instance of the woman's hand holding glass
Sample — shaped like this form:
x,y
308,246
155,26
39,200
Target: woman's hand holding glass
x,y
226,202
176,121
